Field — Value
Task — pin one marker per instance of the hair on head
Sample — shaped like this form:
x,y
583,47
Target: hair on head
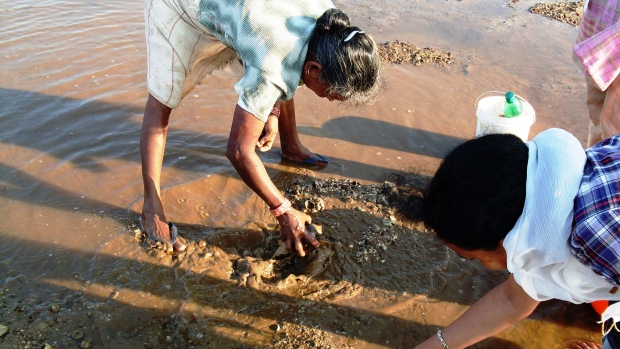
x,y
332,20
352,68
412,188
477,194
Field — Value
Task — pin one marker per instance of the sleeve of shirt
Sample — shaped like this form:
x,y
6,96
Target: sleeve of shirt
x,y
257,95
531,284
569,281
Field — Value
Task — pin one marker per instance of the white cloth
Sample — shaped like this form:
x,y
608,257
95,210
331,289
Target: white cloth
x,y
180,50
188,39
537,248
612,312
271,39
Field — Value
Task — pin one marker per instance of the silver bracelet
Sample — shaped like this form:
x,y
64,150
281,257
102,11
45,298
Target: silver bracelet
x,y
443,341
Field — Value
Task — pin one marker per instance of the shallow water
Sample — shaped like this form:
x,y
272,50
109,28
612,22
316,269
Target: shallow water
x,y
72,87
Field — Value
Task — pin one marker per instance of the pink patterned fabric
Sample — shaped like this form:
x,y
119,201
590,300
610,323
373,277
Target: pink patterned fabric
x,y
598,41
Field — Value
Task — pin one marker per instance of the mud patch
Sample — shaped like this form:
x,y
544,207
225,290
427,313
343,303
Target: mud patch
x,y
375,282
567,12
399,52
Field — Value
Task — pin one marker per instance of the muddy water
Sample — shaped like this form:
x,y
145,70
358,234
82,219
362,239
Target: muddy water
x,y
72,87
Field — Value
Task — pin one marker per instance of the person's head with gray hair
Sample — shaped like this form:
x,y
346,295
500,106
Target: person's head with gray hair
x,y
343,62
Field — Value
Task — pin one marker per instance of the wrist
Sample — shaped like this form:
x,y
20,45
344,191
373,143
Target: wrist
x,y
281,209
275,111
442,340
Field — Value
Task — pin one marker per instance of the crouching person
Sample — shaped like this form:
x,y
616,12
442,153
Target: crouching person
x,y
545,210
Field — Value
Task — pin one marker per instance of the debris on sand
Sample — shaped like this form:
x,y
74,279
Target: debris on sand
x,y
374,239
401,52
567,12
239,288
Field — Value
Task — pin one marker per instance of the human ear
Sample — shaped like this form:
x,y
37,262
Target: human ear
x,y
313,68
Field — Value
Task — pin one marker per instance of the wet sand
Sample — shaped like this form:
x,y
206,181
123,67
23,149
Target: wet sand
x,y
73,92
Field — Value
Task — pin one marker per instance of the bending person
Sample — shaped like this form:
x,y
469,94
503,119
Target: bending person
x,y
280,44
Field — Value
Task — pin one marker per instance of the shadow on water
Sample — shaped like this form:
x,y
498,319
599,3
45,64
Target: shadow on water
x,y
46,136
29,189
89,130
363,131
225,315
217,308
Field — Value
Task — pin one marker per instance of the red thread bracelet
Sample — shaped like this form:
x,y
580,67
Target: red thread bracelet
x,y
282,209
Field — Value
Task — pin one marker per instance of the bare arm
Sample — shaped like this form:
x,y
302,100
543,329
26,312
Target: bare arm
x,y
244,134
505,305
292,148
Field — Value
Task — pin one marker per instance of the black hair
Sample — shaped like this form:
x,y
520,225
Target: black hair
x,y
352,68
477,194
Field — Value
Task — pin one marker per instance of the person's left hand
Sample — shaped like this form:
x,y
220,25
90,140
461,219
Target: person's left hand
x,y
265,141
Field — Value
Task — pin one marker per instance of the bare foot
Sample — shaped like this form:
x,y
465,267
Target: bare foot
x,y
180,245
307,158
296,153
159,230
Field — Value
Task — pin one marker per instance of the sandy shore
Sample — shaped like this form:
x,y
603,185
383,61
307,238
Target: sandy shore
x,y
76,271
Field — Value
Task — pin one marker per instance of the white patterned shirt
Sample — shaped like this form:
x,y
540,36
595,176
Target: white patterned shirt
x,y
271,39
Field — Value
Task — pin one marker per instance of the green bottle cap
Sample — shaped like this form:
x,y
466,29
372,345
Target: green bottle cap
x,y
510,97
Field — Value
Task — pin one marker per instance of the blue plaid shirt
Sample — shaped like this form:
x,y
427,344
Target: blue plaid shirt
x,y
595,239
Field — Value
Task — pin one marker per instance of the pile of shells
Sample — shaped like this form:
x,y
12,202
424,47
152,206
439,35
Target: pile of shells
x,y
308,195
567,12
401,52
374,243
301,339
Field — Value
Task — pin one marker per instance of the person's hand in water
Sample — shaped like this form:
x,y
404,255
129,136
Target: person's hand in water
x,y
293,231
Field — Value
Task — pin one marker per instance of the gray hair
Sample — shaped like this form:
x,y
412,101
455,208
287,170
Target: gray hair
x,y
353,68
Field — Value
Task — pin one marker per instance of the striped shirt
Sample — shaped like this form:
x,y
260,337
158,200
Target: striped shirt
x,y
598,41
271,39
595,239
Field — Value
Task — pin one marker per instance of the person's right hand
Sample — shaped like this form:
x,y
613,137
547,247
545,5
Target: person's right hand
x,y
293,231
